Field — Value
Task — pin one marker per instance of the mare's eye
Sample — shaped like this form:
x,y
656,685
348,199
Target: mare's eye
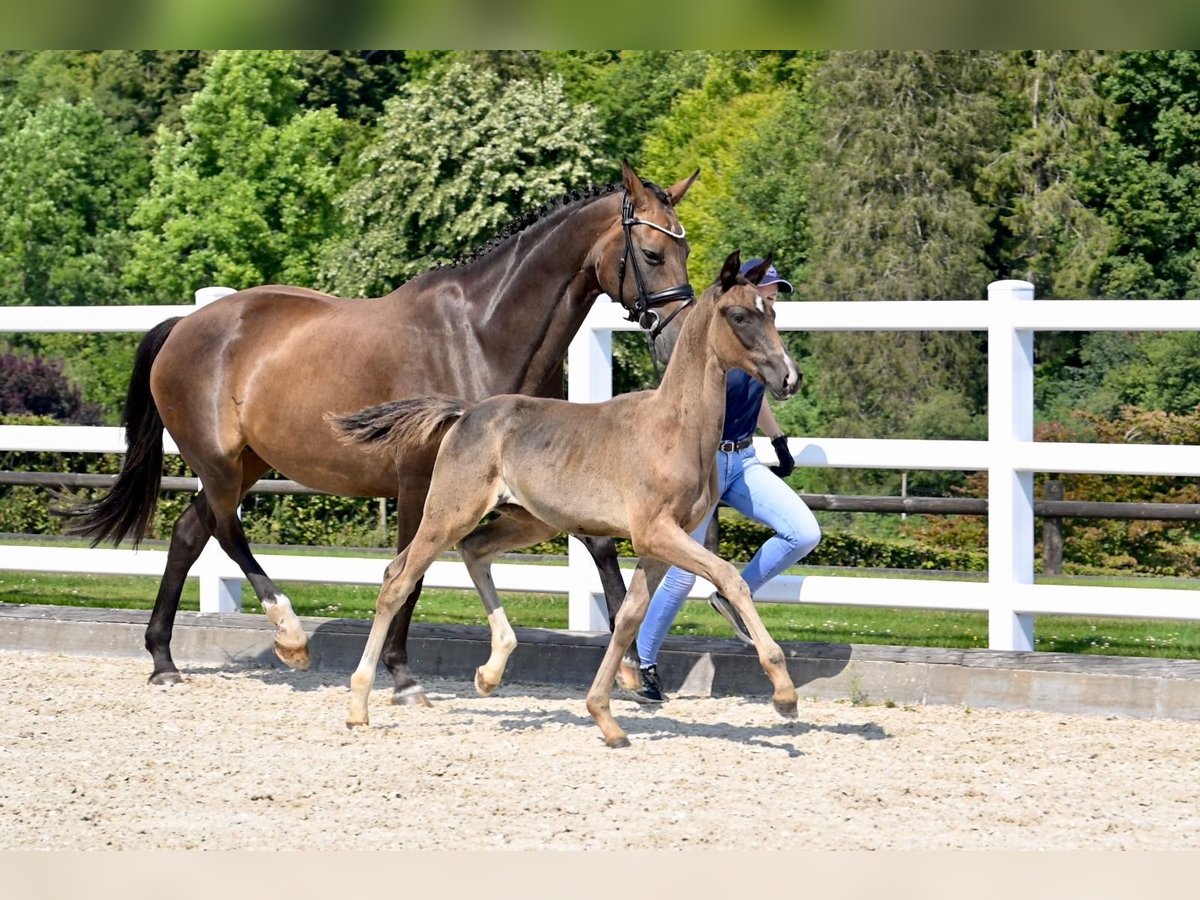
x,y
655,259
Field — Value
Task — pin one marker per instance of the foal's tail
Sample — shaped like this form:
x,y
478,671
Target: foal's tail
x,y
128,508
393,426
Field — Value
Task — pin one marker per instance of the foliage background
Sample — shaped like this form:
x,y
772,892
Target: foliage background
x,y
137,176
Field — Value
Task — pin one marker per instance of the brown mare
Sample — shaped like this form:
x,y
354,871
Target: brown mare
x,y
243,385
550,466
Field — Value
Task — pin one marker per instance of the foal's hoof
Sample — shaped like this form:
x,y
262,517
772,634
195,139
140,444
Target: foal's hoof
x,y
167,678
413,695
293,657
786,708
484,688
351,724
616,741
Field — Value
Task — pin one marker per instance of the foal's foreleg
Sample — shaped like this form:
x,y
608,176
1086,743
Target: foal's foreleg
x,y
675,546
599,695
515,528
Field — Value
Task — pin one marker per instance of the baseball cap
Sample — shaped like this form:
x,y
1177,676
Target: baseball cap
x,y
772,275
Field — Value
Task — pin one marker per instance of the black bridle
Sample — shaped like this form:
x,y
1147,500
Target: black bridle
x,y
643,311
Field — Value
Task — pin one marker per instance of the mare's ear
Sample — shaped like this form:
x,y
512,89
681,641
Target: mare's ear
x,y
755,275
679,188
637,191
729,271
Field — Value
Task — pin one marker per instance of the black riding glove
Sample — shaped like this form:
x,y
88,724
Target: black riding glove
x,y
786,463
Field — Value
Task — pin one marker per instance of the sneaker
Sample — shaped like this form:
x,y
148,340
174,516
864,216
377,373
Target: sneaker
x,y
651,690
718,602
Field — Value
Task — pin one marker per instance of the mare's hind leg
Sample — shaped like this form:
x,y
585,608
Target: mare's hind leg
x,y
191,533
224,486
515,528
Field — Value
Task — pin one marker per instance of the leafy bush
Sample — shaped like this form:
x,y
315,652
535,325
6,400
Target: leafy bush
x,y
31,386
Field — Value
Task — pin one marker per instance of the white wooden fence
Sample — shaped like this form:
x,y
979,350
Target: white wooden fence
x,y
1009,456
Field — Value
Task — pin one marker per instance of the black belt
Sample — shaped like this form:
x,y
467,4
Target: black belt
x,y
735,446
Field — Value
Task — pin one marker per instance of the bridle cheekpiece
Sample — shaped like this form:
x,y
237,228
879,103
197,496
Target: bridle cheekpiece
x,y
643,311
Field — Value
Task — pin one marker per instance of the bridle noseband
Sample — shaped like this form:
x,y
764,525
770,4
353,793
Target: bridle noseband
x,y
643,311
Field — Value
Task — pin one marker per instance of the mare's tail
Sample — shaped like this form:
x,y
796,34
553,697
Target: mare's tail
x,y
390,427
128,508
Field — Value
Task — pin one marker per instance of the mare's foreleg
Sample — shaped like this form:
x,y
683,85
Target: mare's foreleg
x,y
190,534
515,528
603,551
672,544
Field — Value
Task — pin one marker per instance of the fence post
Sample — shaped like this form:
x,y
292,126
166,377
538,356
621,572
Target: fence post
x,y
1052,538
217,594
1010,491
589,380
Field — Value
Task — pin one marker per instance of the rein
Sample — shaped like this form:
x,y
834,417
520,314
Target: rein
x,y
643,311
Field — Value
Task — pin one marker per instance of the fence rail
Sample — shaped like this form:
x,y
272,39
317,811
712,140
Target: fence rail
x,y
1009,456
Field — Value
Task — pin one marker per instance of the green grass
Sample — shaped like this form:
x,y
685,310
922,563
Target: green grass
x,y
786,622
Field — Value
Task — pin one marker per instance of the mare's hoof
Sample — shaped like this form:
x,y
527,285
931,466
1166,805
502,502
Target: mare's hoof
x,y
296,658
413,695
786,709
166,679
483,688
617,741
629,678
351,724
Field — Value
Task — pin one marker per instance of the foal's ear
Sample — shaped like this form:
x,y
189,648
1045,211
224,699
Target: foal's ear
x,y
679,188
729,271
633,184
755,275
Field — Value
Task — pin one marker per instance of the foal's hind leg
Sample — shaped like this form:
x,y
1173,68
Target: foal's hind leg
x,y
515,528
406,690
399,580
224,486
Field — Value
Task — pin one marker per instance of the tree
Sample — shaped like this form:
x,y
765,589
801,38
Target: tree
x,y
136,89
243,193
455,158
1042,183
631,90
894,216
67,182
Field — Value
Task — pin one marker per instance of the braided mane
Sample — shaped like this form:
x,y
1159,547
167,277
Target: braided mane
x,y
519,224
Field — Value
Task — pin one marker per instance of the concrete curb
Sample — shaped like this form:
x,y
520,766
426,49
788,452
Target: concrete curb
x,y
1052,682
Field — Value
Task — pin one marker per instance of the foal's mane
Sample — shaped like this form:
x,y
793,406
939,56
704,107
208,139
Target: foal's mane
x,y
530,218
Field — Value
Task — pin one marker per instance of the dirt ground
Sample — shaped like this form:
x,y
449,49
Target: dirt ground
x,y
93,757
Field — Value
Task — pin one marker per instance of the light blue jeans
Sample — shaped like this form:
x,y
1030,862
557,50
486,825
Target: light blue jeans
x,y
755,491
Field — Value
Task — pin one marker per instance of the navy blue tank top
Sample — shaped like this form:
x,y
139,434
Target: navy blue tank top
x,y
743,401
